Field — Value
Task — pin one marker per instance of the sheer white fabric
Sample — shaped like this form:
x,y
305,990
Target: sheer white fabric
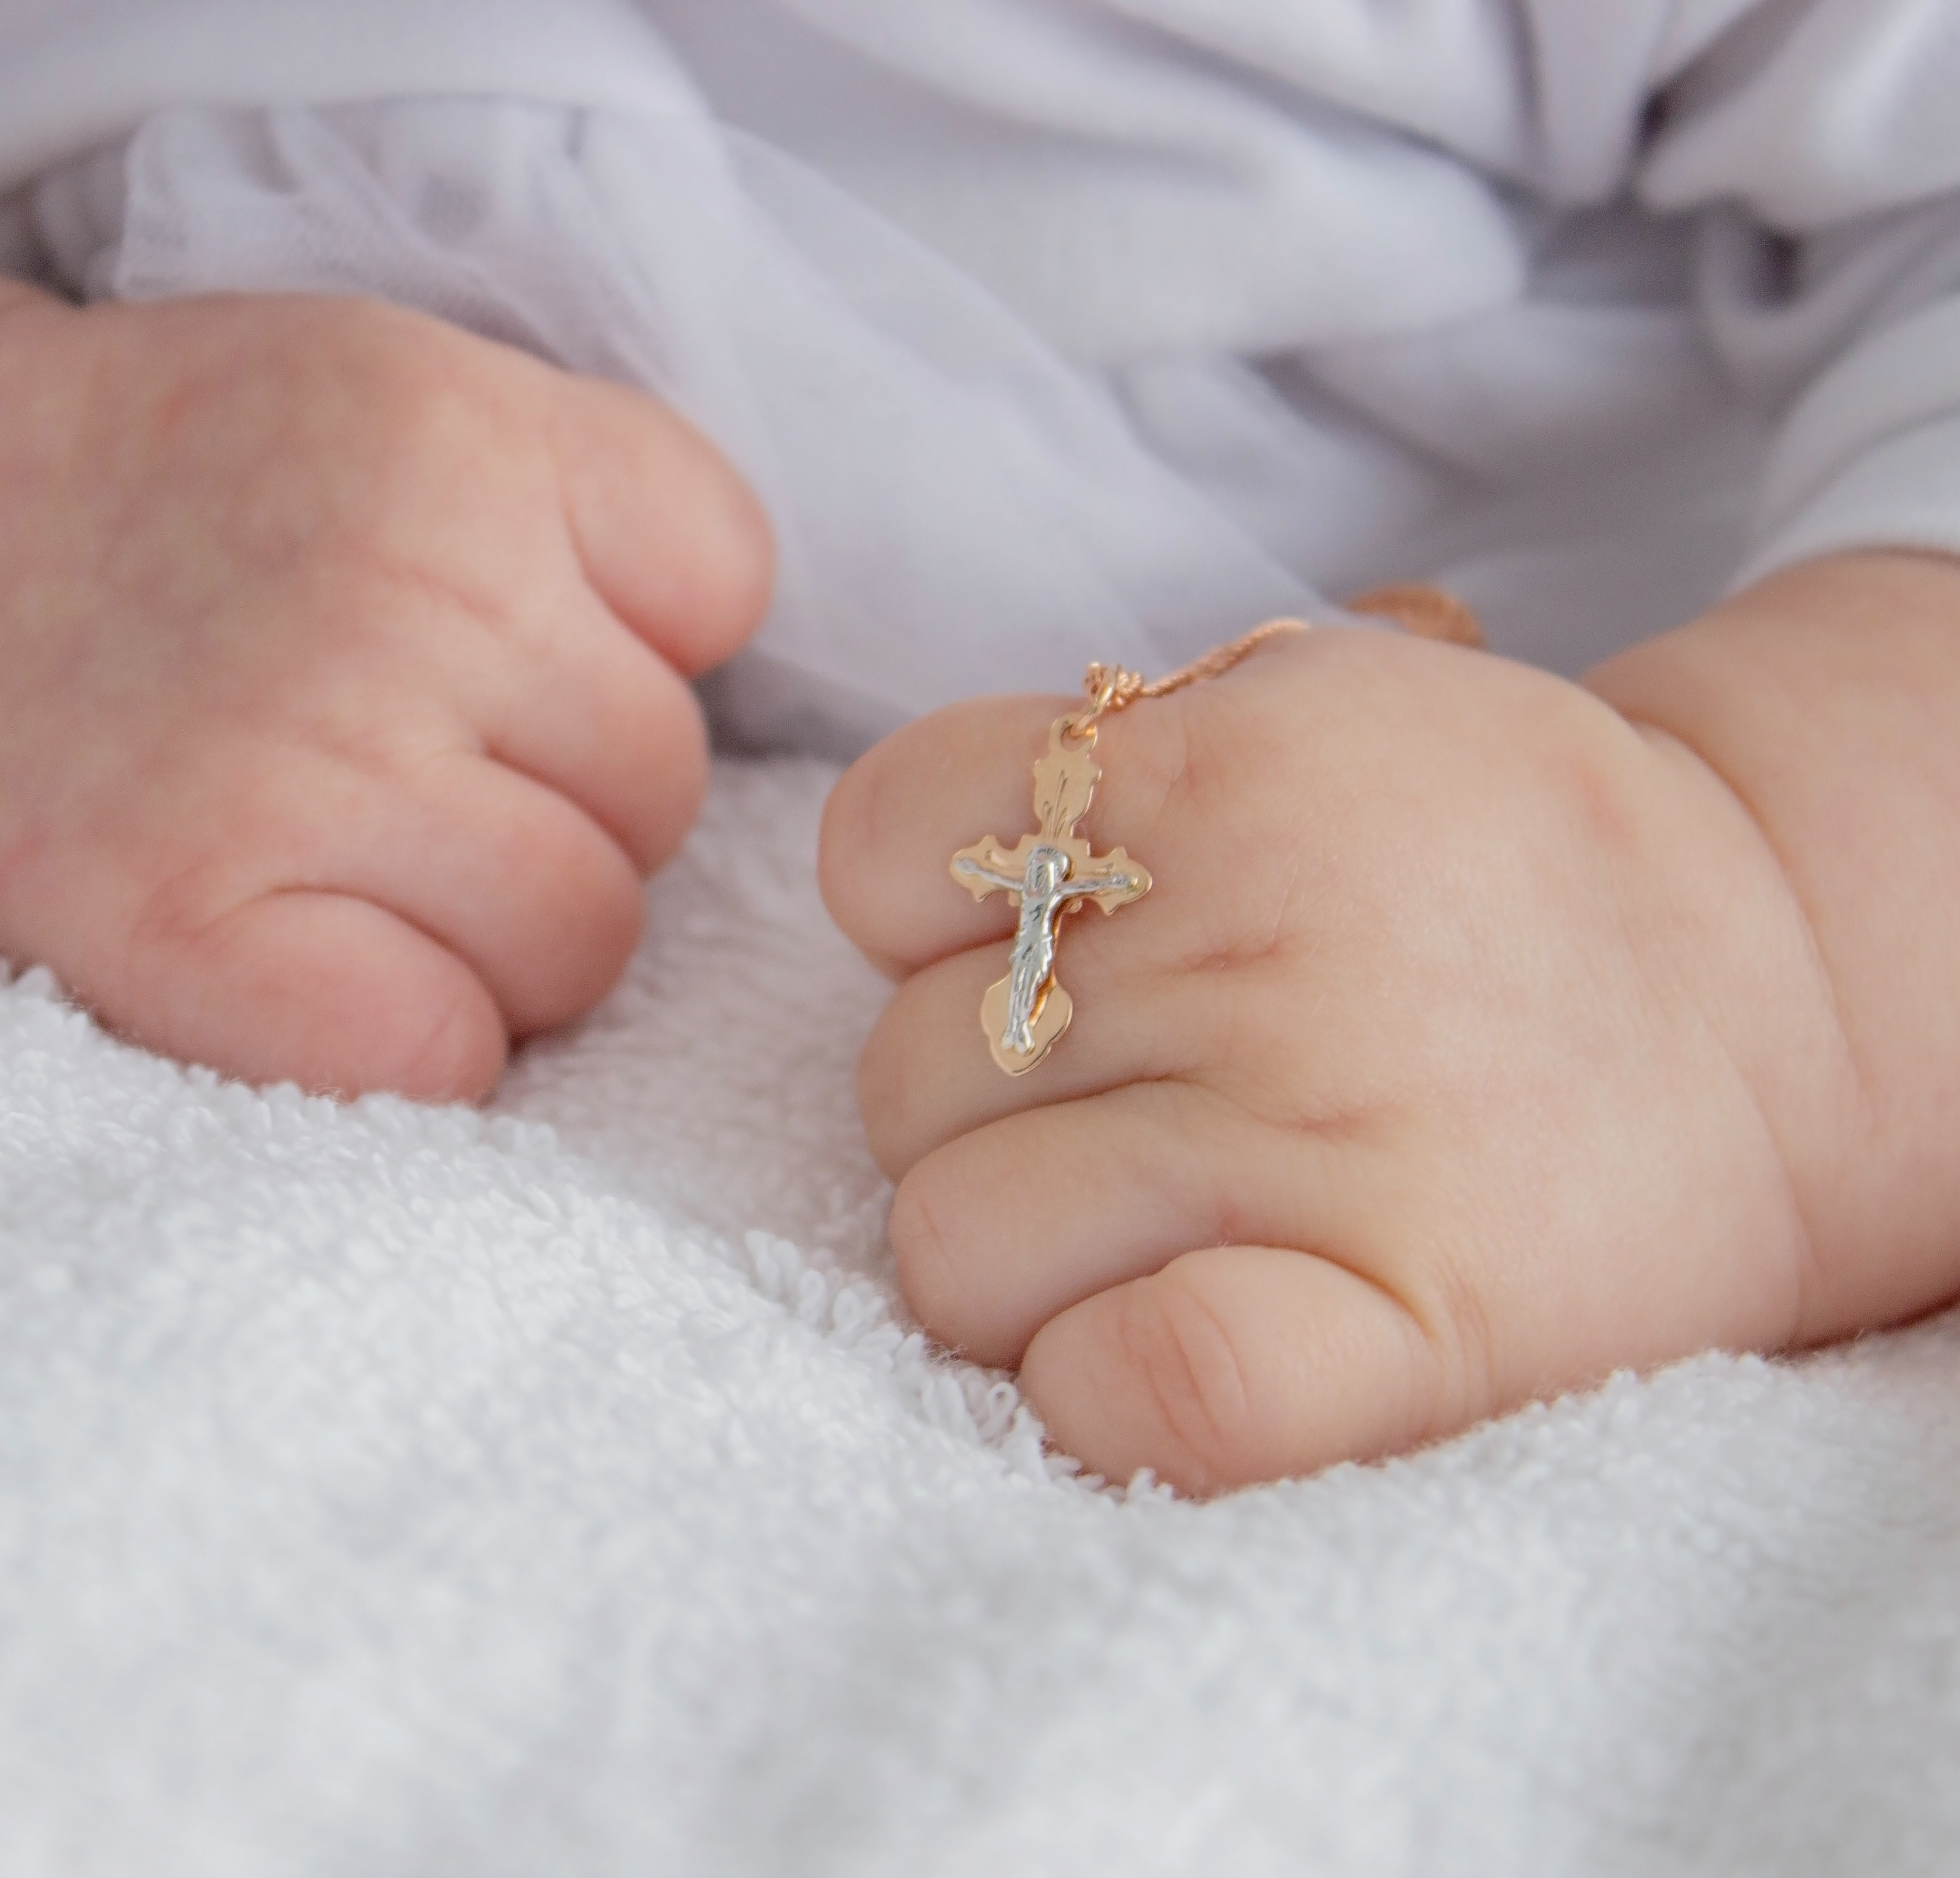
x,y
1052,331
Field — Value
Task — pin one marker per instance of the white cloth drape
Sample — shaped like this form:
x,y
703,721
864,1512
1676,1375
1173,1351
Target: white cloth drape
x,y
1054,331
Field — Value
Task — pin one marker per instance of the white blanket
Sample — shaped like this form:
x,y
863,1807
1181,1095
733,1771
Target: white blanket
x,y
394,1493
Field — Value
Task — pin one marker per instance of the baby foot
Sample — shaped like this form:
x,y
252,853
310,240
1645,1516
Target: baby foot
x,y
1426,1079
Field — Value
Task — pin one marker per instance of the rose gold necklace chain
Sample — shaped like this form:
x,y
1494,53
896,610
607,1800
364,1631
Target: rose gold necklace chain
x,y
1110,688
1427,612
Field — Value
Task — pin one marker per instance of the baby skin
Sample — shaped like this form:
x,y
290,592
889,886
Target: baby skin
x,y
343,678
1482,1033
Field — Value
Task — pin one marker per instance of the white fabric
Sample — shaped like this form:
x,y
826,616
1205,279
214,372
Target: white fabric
x,y
1054,332
75,74
393,1493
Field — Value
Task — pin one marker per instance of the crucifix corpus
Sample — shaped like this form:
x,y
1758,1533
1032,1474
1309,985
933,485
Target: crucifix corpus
x,y
1050,874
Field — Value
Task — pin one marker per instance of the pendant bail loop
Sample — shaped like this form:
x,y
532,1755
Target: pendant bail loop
x,y
1107,688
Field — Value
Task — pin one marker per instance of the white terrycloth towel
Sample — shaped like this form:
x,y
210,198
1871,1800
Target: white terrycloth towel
x,y
392,1493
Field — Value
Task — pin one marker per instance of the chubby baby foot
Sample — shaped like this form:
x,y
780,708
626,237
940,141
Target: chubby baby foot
x,y
1428,1078
343,678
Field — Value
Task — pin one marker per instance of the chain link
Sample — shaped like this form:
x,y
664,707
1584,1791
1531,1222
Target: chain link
x,y
1427,612
1110,688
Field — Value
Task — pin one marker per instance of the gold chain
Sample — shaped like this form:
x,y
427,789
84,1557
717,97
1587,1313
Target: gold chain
x,y
1110,688
1427,612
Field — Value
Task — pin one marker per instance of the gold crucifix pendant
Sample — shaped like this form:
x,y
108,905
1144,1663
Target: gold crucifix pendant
x,y
1049,874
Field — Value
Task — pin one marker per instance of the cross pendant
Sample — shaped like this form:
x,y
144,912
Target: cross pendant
x,y
1050,875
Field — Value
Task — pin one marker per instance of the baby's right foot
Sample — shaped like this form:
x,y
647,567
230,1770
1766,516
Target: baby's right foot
x,y
343,678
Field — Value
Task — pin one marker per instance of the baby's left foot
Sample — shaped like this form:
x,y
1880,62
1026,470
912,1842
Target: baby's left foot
x,y
1447,1063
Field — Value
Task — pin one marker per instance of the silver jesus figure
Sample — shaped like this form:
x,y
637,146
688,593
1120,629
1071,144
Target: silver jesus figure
x,y
1050,874
1046,892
